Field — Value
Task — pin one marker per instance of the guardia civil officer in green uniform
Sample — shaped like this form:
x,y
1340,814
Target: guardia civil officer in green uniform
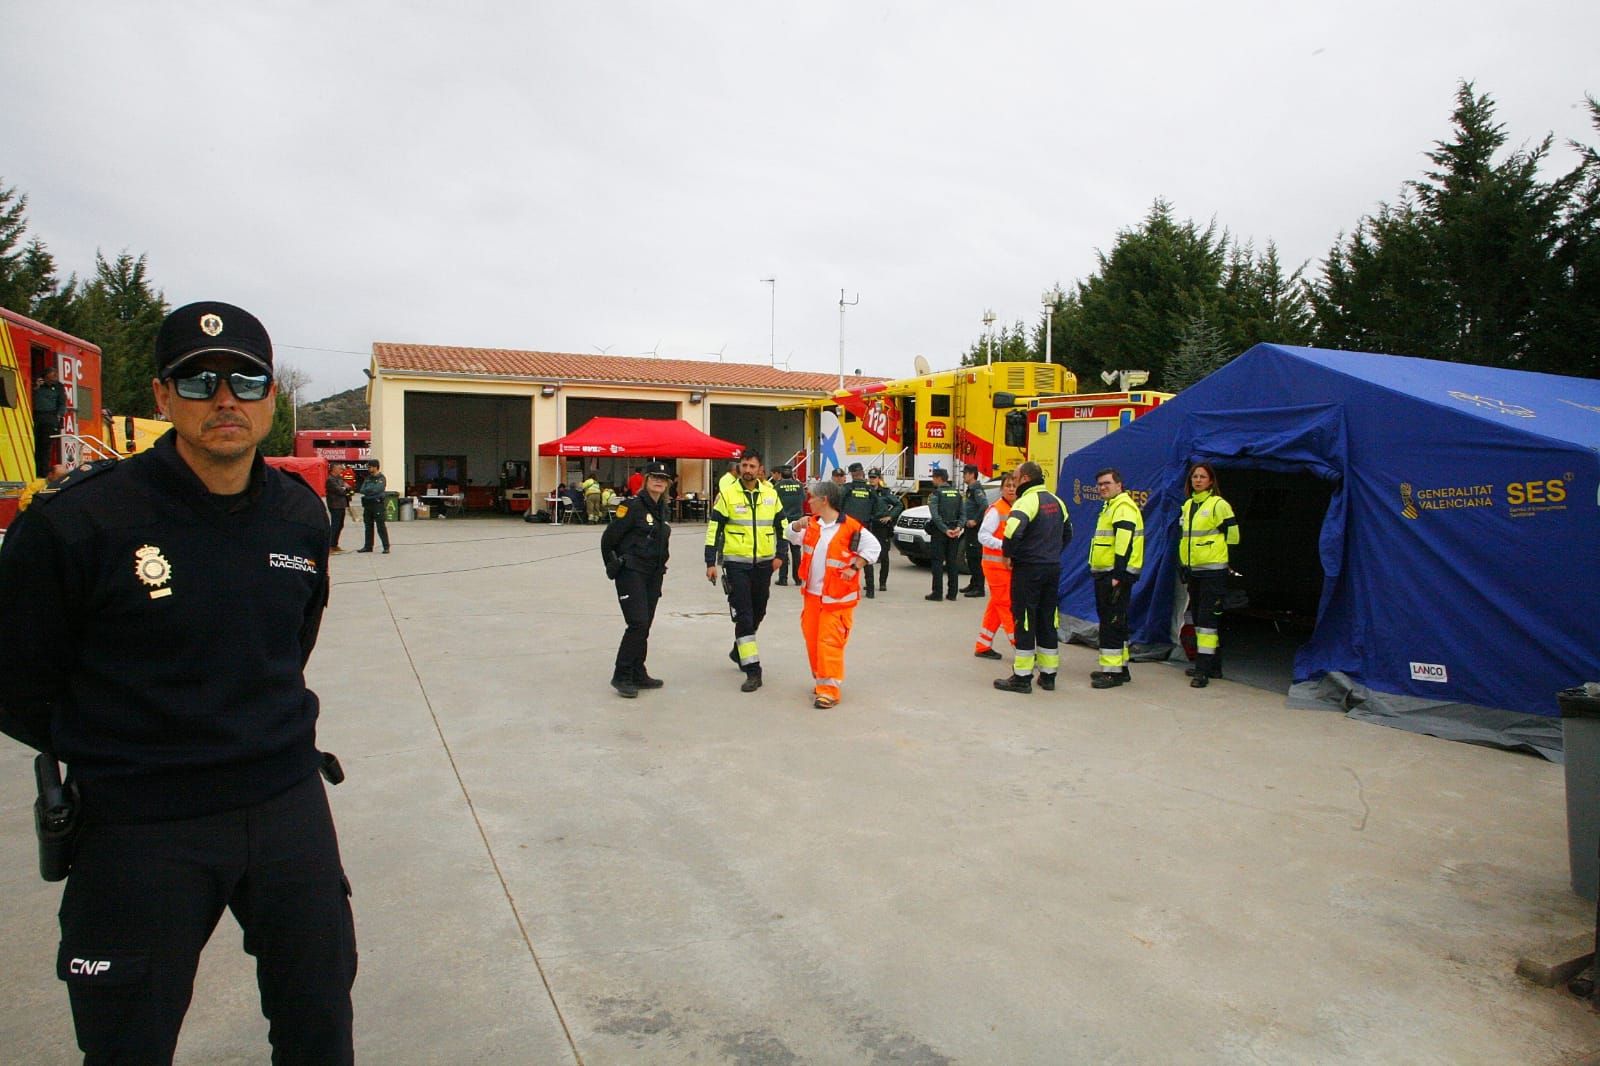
x,y
974,503
883,517
792,495
745,531
634,547
1116,555
1036,530
158,614
944,534
861,503
1206,530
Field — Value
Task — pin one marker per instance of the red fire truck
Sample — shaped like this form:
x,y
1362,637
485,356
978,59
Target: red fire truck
x,y
27,349
334,445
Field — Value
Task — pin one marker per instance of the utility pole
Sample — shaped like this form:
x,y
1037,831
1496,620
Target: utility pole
x,y
772,335
843,303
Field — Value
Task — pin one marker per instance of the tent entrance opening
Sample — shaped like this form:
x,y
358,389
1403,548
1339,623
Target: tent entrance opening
x,y
1280,572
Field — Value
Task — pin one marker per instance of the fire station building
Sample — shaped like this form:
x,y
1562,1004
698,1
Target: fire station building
x,y
476,417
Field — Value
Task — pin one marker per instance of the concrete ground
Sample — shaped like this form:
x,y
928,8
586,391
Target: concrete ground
x,y
934,872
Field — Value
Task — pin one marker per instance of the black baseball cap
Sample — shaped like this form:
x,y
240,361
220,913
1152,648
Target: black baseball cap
x,y
211,326
855,468
874,472
658,470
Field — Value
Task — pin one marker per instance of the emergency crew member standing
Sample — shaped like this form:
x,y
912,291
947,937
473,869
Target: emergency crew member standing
x,y
889,507
835,549
338,493
974,505
1206,530
372,489
1036,530
997,569
944,533
161,611
861,503
1116,556
634,547
792,495
49,407
745,530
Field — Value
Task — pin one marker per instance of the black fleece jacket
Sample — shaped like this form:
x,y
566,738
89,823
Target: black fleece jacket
x,y
158,636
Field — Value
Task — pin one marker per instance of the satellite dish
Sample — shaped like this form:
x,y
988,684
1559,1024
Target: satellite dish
x,y
921,365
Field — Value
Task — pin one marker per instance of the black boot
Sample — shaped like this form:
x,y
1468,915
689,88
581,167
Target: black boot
x,y
1014,683
934,595
1047,682
622,681
1105,679
1200,680
752,680
642,678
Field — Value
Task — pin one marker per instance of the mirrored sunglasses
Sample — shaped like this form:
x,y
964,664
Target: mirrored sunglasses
x,y
202,385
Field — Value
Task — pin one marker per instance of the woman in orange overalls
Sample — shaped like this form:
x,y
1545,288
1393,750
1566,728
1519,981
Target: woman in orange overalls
x,y
996,571
834,549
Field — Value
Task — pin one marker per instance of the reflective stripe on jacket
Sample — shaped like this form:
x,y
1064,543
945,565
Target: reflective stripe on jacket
x,y
1000,508
841,585
744,524
1208,529
1118,545
1037,528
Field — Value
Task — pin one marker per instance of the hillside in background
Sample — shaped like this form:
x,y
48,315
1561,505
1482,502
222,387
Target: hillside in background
x,y
342,410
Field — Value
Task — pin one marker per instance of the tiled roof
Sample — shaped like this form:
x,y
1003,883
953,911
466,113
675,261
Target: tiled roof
x,y
560,366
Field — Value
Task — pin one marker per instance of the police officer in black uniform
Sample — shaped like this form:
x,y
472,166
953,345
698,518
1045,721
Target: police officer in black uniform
x,y
944,533
634,547
889,507
792,495
160,612
861,503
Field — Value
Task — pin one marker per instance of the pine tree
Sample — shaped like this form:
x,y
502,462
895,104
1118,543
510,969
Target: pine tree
x,y
1201,349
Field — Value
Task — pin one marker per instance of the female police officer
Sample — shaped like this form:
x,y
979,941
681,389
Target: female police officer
x,y
634,547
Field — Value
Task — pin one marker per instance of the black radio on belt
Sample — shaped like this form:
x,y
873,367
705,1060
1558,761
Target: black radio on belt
x,y
55,818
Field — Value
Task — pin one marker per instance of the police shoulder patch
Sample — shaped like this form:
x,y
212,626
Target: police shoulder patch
x,y
77,476
622,510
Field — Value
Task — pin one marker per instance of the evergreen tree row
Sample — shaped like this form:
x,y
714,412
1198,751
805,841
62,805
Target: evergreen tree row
x,y
1483,259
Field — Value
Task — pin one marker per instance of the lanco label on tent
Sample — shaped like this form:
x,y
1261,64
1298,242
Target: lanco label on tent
x,y
1429,672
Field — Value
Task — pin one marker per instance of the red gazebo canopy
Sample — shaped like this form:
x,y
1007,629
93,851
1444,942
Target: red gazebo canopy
x,y
657,438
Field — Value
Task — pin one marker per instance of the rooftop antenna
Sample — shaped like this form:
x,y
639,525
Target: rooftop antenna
x,y
843,303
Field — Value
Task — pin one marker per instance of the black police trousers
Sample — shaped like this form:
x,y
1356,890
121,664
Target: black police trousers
x,y
884,537
1035,605
946,553
974,556
142,900
637,593
789,560
373,516
749,587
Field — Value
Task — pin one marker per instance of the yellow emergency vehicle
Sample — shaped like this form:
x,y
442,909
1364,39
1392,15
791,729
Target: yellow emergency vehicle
x,y
936,420
1057,426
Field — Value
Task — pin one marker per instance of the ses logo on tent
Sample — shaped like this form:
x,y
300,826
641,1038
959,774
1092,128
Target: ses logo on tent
x,y
1429,672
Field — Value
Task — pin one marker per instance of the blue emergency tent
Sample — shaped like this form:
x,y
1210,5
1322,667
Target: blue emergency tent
x,y
1460,547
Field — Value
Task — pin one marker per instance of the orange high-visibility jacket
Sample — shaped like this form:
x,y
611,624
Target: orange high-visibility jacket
x,y
841,585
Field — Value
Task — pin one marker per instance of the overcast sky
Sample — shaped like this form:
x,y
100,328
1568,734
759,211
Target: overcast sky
x,y
621,176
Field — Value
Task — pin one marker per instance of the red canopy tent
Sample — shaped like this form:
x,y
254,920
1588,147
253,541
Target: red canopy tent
x,y
657,438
